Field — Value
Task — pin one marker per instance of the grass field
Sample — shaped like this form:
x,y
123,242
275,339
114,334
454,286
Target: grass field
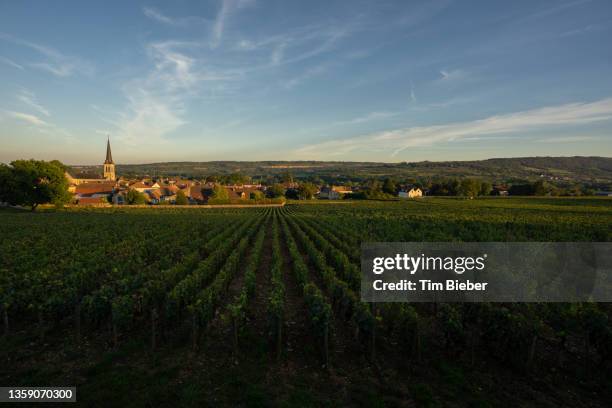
x,y
260,307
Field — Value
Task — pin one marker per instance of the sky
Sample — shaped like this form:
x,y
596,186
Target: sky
x,y
304,80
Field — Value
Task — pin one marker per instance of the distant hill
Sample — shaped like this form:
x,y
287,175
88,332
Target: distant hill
x,y
577,169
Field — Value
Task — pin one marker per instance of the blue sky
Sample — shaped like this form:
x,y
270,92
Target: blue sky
x,y
300,80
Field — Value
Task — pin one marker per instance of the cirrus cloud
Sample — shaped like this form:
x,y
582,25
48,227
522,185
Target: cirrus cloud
x,y
397,140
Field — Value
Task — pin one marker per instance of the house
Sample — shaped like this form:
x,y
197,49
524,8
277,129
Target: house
x,y
168,193
243,191
342,189
87,189
499,190
144,186
329,193
153,196
180,183
413,192
196,194
120,197
94,193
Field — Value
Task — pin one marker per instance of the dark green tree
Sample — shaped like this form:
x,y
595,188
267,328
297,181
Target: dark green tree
x,y
540,188
306,191
34,182
6,182
276,190
389,187
181,198
485,188
469,188
135,197
256,195
220,193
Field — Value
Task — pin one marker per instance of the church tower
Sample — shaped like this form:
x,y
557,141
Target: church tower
x,y
109,165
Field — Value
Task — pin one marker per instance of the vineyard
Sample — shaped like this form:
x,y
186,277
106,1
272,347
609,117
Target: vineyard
x,y
261,306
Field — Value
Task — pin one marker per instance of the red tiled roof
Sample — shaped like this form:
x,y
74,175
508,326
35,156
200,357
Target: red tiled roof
x,y
93,188
195,192
169,190
154,194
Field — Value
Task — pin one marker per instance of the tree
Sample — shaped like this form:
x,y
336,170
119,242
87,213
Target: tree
x,y
34,182
256,195
452,187
485,188
306,191
135,197
389,187
6,182
521,189
276,190
469,188
219,193
540,188
181,198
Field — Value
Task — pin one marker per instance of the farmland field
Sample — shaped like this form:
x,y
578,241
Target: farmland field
x,y
260,307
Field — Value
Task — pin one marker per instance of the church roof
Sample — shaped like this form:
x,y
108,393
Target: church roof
x,y
109,155
93,188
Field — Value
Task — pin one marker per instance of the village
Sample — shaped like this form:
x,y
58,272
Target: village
x,y
109,189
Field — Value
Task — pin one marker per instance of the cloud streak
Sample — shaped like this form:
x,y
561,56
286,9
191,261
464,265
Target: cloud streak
x,y
29,98
26,117
55,63
11,63
397,140
157,102
366,118
228,7
156,15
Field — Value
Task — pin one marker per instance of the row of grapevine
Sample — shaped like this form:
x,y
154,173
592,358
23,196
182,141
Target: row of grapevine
x,y
206,302
319,310
276,301
345,301
237,309
347,270
127,292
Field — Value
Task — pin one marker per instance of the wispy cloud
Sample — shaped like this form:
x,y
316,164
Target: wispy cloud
x,y
413,97
29,98
298,44
228,7
277,53
157,102
454,75
155,14
306,75
26,117
369,117
441,104
397,140
56,63
39,125
158,16
11,63
559,7
582,30
569,139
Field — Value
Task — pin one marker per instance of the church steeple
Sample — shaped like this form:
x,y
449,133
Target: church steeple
x,y
109,155
109,165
